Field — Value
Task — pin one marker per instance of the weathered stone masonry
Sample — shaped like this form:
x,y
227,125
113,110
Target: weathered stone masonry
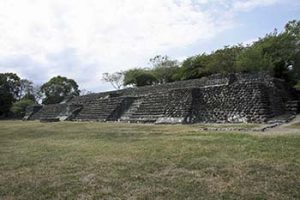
x,y
217,98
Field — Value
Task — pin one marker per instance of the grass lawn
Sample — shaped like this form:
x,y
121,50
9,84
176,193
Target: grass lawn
x,y
72,160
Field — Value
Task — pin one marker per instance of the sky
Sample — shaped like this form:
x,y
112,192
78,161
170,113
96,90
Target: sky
x,y
82,39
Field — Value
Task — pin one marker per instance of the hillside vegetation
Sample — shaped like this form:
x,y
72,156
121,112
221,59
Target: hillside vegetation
x,y
276,52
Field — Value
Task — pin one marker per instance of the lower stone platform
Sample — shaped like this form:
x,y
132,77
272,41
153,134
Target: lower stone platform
x,y
254,98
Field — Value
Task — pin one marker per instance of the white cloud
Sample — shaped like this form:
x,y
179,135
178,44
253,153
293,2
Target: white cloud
x,y
247,5
104,35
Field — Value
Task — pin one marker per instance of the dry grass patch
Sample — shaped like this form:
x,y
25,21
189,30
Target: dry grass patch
x,y
87,160
296,125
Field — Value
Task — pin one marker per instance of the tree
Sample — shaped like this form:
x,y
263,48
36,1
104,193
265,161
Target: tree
x,y
19,107
224,60
26,87
293,28
9,91
252,59
11,83
296,68
115,79
194,67
276,52
164,69
139,77
27,90
146,78
37,93
57,89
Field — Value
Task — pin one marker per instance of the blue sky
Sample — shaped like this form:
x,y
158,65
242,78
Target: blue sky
x,y
82,39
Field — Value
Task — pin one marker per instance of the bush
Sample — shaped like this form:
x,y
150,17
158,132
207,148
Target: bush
x,y
19,108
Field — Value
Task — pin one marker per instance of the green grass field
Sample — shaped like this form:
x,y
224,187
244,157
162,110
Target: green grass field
x,y
72,160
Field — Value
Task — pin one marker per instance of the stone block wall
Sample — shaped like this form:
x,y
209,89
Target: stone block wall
x,y
180,104
254,97
231,103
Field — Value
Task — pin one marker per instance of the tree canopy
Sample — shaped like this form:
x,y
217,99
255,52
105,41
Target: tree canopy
x,y
9,91
19,107
16,93
139,77
162,70
58,88
277,53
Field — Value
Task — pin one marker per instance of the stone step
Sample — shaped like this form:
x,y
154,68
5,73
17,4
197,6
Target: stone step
x,y
292,106
132,109
100,109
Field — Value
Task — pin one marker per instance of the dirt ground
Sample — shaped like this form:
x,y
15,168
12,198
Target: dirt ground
x,y
293,127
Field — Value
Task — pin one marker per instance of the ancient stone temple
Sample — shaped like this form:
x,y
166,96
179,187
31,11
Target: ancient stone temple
x,y
217,98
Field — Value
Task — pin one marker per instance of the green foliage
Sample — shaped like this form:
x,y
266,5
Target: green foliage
x,y
223,60
27,90
19,107
6,100
297,86
146,78
277,53
252,59
10,82
9,91
58,88
139,77
165,74
30,97
164,69
194,67
296,67
293,28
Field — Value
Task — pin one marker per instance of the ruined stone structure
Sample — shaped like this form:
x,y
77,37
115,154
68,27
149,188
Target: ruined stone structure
x,y
218,98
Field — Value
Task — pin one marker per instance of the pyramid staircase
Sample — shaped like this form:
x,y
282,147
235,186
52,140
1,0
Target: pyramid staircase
x,y
128,114
100,109
292,106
